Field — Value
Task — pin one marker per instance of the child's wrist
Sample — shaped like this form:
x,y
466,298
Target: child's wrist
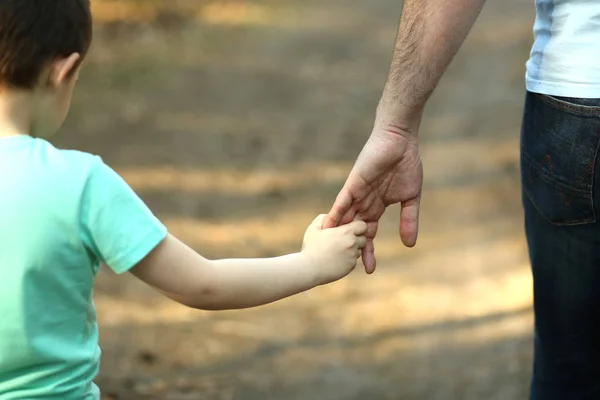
x,y
310,267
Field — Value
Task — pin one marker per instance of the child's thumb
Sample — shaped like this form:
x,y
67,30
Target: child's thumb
x,y
318,222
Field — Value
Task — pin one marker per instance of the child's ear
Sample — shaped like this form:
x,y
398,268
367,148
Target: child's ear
x,y
62,70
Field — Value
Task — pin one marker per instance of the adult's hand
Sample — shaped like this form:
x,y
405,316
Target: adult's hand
x,y
387,171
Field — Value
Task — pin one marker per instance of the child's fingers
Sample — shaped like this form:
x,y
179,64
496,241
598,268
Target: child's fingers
x,y
318,222
358,227
361,241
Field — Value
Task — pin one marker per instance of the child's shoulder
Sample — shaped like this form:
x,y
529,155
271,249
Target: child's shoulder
x,y
65,169
69,161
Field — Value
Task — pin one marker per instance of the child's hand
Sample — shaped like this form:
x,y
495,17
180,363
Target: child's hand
x,y
333,253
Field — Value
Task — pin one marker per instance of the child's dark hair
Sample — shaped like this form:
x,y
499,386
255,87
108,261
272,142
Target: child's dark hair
x,y
35,32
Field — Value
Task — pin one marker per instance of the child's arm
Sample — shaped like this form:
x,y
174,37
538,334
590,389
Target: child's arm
x,y
192,280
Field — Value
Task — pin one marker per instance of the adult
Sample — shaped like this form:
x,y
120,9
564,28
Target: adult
x,y
559,168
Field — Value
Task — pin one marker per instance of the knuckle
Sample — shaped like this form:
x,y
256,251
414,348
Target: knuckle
x,y
371,230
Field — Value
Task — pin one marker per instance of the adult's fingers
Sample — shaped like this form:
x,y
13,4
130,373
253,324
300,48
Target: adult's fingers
x,y
342,204
368,257
349,216
409,221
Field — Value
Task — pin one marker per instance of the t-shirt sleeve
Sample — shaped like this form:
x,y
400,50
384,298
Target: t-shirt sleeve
x,y
116,226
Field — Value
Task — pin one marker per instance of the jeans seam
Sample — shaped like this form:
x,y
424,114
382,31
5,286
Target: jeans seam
x,y
573,108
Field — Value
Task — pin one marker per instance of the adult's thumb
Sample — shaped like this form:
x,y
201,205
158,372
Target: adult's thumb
x,y
409,221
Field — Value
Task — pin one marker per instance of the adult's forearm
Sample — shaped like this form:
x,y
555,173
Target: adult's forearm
x,y
429,35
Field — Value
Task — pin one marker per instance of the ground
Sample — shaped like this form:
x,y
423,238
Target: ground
x,y
237,122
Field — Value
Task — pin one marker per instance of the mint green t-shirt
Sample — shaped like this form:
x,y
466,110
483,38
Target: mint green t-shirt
x,y
61,214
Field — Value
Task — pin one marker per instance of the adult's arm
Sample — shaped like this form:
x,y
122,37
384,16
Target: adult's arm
x,y
389,170
429,35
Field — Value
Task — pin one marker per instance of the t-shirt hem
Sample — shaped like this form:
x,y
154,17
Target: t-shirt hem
x,y
563,90
145,246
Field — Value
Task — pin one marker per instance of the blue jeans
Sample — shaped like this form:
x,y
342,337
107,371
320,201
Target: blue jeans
x,y
560,175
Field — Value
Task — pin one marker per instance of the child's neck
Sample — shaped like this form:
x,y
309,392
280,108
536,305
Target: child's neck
x,y
16,112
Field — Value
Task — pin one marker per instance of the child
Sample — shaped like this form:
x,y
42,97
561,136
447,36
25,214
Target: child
x,y
62,213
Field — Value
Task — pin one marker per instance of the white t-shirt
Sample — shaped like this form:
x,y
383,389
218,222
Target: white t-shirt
x,y
565,58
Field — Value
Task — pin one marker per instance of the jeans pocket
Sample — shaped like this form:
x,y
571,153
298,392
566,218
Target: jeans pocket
x,y
559,145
